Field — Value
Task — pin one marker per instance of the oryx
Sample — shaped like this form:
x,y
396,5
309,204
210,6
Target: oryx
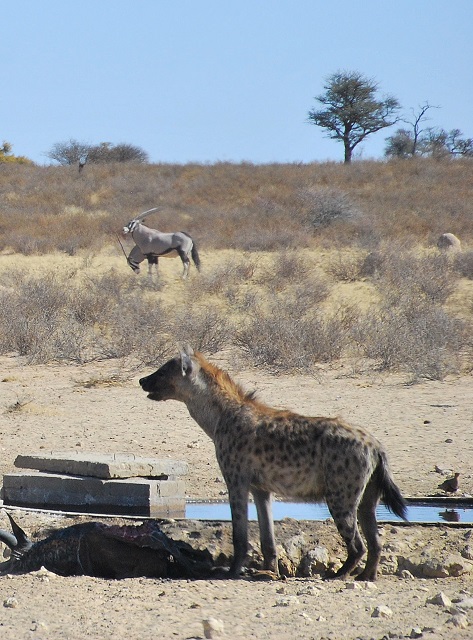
x,y
151,244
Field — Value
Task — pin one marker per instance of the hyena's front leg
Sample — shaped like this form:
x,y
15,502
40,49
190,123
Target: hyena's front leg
x,y
266,529
238,497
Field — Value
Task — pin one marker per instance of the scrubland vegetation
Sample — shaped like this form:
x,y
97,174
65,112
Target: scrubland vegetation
x,y
300,235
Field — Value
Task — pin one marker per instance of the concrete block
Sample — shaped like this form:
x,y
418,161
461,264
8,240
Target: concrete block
x,y
130,496
103,465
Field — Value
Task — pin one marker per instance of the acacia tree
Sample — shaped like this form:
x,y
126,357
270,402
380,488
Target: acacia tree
x,y
351,109
404,143
73,152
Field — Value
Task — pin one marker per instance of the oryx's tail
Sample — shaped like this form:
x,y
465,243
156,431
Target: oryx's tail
x,y
195,256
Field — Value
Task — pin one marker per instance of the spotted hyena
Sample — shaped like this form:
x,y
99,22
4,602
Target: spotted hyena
x,y
265,450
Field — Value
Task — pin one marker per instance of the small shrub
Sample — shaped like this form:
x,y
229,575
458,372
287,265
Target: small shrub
x,y
325,205
346,267
372,264
422,340
235,271
279,336
206,329
428,278
463,264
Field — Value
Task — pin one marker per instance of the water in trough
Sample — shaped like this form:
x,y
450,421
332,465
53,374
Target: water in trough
x,y
419,511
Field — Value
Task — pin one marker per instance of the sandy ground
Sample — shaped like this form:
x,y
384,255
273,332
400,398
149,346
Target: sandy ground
x,y
99,407
58,408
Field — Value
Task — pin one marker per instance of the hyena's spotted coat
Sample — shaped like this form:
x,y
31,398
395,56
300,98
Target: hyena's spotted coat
x,y
265,450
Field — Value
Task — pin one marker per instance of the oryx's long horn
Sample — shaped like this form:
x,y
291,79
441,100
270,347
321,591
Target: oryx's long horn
x,y
22,541
145,213
8,538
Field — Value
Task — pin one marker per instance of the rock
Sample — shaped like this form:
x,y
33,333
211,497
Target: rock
x,y
352,585
286,567
288,601
416,633
406,575
293,548
457,566
314,562
10,603
448,242
213,628
422,567
460,620
466,603
467,552
388,564
382,611
310,590
440,599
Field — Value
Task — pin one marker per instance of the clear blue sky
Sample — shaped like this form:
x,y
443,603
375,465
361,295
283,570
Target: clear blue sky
x,y
222,80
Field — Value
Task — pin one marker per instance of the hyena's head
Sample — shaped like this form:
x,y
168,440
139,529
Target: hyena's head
x,y
174,380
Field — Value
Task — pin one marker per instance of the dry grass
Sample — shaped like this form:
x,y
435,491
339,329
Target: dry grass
x,y
244,206
300,233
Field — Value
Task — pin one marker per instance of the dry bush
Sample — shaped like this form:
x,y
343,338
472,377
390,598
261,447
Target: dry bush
x,y
37,321
233,272
285,267
138,329
326,205
286,334
422,340
406,273
347,267
207,329
53,317
411,331
463,264
243,206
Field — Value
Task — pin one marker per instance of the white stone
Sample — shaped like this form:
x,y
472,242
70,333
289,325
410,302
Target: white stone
x,y
440,599
213,628
460,620
352,586
382,611
288,601
10,603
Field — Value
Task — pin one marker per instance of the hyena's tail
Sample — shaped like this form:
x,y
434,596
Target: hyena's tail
x,y
390,493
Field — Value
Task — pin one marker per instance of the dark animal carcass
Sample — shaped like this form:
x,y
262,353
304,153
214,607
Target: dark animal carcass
x,y
105,551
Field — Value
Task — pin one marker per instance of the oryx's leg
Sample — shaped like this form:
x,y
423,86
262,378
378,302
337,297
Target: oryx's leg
x,y
152,261
135,258
185,261
266,528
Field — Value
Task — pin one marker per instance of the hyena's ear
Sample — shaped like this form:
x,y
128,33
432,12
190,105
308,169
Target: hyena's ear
x,y
188,364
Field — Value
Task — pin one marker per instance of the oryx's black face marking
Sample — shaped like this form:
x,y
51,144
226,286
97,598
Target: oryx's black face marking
x,y
130,227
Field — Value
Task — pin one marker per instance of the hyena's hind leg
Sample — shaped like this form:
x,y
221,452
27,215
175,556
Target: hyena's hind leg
x,y
369,526
345,517
266,528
